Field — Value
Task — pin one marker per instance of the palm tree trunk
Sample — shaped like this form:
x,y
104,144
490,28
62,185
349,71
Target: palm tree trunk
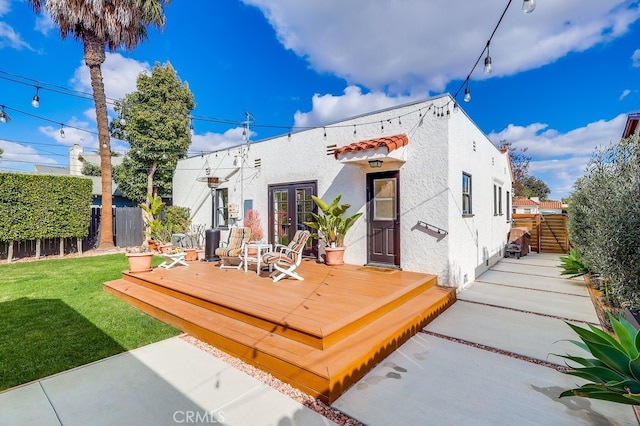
x,y
94,56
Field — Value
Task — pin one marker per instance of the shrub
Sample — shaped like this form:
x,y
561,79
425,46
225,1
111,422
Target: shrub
x,y
604,218
177,219
252,220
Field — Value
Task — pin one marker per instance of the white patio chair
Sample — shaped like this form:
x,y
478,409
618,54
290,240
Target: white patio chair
x,y
286,259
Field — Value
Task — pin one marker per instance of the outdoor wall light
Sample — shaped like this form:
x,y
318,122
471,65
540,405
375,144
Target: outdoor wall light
x,y
375,164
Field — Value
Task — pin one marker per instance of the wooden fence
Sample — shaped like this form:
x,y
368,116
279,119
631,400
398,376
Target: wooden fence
x,y
549,233
128,230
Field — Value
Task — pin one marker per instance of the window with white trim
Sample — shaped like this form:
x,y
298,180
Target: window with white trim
x,y
466,194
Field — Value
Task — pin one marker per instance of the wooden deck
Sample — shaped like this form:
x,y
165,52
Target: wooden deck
x,y
320,335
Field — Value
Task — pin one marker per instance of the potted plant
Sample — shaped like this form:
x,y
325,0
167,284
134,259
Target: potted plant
x,y
331,226
252,220
154,229
140,258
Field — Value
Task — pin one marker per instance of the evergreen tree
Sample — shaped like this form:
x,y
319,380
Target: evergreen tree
x,y
155,120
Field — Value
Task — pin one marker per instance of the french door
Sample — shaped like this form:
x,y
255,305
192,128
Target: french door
x,y
290,205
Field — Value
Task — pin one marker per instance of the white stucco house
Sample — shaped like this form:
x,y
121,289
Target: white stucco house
x,y
435,192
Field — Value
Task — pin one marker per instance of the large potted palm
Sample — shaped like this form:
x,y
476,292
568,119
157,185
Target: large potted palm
x,y
331,226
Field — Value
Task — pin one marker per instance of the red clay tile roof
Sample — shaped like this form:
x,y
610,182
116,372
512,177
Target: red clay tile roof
x,y
390,142
550,205
520,201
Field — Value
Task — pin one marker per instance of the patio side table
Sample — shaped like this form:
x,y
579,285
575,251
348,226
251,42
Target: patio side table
x,y
260,248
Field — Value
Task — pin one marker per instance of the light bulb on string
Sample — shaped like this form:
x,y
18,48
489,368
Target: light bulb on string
x,y
35,102
528,6
487,60
467,94
487,65
4,117
62,131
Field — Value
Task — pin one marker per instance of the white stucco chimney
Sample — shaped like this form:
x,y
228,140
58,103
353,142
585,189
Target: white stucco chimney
x,y
75,164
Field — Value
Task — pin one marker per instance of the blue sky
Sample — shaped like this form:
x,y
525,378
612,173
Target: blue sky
x,y
564,77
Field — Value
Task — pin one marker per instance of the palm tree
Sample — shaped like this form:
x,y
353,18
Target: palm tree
x,y
101,25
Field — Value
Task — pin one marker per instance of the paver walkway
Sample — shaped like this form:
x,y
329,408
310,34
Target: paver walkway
x,y
487,359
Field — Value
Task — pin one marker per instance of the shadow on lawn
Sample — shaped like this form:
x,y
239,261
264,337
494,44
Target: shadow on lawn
x,y
40,337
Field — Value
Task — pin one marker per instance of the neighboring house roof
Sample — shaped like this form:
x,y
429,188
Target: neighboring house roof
x,y
550,205
389,142
632,125
520,201
50,170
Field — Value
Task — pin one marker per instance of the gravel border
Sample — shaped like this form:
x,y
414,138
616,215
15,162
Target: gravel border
x,y
284,388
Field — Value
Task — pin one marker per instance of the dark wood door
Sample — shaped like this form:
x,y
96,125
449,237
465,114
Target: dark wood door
x,y
290,205
383,228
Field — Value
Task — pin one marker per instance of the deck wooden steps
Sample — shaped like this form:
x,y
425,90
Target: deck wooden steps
x,y
292,332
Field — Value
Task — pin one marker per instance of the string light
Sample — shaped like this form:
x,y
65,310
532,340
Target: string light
x,y
4,117
62,130
487,61
528,6
35,102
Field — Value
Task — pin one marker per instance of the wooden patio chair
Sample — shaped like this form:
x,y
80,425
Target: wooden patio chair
x,y
234,247
286,259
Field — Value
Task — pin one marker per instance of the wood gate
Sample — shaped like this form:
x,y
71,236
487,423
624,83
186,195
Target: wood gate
x,y
549,233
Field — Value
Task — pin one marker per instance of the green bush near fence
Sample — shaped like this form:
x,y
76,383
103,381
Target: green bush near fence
x,y
38,206
604,218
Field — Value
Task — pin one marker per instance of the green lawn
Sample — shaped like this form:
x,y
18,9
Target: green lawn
x,y
55,315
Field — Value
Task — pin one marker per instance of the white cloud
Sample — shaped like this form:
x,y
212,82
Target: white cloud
x,y
44,24
418,45
10,38
5,7
21,157
635,58
624,94
329,108
118,73
215,141
559,158
75,132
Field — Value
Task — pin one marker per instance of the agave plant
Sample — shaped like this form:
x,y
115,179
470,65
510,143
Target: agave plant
x,y
330,224
614,371
573,264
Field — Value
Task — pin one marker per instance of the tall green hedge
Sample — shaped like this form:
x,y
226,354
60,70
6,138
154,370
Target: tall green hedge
x,y
39,206
604,218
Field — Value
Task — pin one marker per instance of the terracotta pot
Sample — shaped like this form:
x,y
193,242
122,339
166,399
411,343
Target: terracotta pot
x,y
334,256
190,254
140,262
164,248
200,253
